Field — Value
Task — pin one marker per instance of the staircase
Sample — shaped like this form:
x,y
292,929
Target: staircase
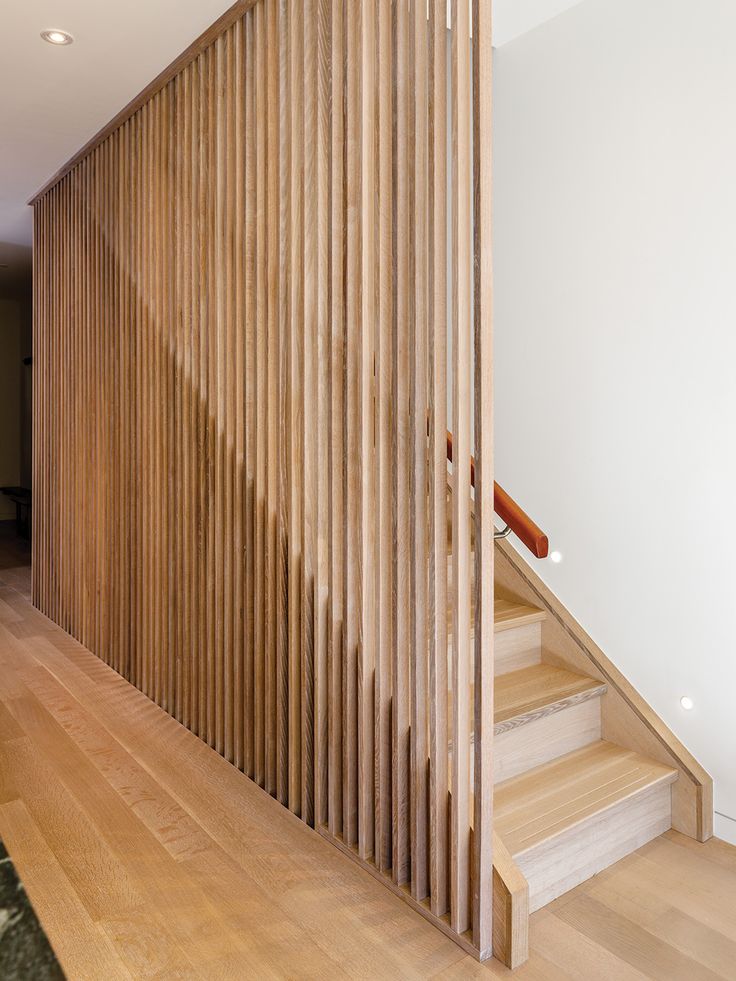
x,y
584,771
567,804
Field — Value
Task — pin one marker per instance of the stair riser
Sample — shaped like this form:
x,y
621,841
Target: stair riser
x,y
534,743
563,862
517,647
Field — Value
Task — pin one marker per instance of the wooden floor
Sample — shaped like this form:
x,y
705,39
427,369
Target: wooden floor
x,y
146,855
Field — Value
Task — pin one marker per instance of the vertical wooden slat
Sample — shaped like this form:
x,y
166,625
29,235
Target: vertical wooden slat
x,y
401,866
166,357
384,463
206,397
273,407
157,651
367,584
250,402
38,316
484,548
124,190
230,381
219,357
461,398
296,351
419,610
437,322
150,298
196,408
188,438
354,463
259,42
238,395
337,418
209,238
137,403
315,128
322,420
113,356
283,650
308,487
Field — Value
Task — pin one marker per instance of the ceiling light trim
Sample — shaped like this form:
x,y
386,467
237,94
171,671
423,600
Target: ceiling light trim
x,y
57,37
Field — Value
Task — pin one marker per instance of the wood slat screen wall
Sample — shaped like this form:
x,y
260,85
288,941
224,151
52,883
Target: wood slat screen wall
x,y
243,323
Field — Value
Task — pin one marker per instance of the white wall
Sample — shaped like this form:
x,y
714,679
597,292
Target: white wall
x,y
615,331
10,401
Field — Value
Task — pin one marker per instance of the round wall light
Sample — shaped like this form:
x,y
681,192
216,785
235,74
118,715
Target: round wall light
x,y
687,703
555,557
54,36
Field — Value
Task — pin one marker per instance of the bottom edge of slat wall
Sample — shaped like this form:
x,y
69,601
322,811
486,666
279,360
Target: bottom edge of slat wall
x,y
464,940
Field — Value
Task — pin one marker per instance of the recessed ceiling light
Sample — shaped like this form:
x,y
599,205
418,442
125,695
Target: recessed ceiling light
x,y
687,702
54,36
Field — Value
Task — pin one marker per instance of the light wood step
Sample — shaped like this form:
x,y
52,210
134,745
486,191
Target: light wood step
x,y
537,692
508,614
542,713
569,819
518,635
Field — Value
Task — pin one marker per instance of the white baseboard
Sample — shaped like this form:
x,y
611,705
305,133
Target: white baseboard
x,y
724,827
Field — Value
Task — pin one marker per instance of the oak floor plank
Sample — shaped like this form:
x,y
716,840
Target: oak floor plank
x,y
79,943
633,943
577,955
97,876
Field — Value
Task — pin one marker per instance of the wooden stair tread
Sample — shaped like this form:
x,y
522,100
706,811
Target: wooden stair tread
x,y
509,613
506,614
544,802
538,691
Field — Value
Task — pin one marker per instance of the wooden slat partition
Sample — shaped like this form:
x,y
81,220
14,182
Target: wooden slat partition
x,y
247,337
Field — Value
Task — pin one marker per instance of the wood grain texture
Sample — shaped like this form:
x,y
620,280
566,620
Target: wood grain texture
x,y
536,692
533,807
384,422
400,715
245,305
418,395
510,908
481,123
460,859
438,562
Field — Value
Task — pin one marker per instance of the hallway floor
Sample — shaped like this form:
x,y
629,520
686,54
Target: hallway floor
x,y
146,855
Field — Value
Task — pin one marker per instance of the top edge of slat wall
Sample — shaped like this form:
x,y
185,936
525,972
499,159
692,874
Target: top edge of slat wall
x,y
208,37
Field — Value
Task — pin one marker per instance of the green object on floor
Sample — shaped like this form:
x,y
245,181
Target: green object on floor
x,y
24,949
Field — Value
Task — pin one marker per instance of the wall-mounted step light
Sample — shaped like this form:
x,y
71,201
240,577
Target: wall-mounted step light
x,y
687,702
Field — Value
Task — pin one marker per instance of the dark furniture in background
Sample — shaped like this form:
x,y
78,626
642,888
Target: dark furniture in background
x,y
21,496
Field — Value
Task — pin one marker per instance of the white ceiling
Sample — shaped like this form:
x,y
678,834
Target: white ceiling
x,y
55,98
